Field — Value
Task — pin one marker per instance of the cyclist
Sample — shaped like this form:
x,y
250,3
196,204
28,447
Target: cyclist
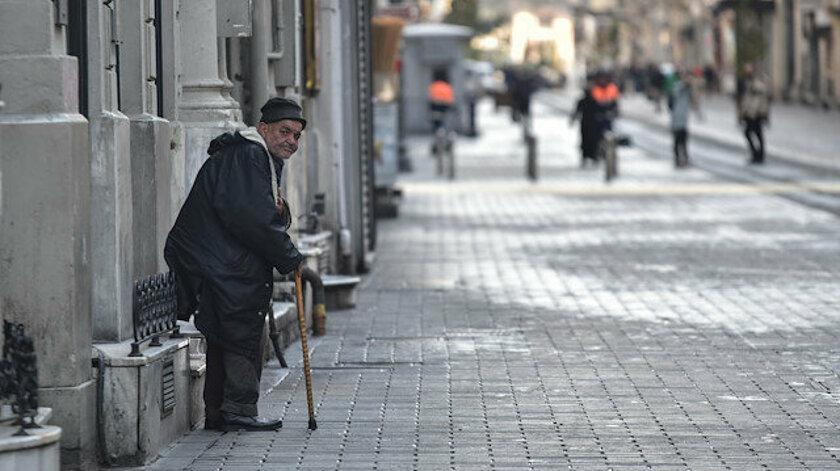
x,y
606,95
441,98
441,102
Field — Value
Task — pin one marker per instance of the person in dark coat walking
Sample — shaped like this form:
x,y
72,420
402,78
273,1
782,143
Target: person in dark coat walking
x,y
681,101
753,102
588,111
229,235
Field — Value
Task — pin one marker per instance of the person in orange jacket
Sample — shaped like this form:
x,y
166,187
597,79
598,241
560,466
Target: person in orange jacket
x,y
606,94
441,98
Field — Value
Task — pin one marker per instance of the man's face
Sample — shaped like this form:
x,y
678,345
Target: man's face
x,y
281,137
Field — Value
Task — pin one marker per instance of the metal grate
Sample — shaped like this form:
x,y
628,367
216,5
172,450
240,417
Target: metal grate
x,y
155,310
167,387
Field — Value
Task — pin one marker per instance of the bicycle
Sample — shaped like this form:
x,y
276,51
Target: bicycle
x,y
443,145
606,152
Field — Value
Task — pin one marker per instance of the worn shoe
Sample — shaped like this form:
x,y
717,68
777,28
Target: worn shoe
x,y
233,422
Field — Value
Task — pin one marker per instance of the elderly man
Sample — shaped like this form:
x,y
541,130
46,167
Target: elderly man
x,y
229,235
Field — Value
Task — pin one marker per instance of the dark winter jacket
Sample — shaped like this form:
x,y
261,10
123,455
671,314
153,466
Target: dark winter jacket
x,y
590,114
226,240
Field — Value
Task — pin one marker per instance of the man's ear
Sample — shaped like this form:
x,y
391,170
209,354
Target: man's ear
x,y
262,127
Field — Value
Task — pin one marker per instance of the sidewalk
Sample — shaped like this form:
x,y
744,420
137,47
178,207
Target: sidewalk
x,y
665,321
798,133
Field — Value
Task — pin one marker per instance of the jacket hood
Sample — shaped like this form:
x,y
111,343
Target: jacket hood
x,y
252,135
230,138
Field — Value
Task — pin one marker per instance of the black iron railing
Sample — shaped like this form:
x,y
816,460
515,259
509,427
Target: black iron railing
x,y
19,375
155,310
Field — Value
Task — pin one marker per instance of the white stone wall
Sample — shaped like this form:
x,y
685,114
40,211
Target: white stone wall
x,y
87,201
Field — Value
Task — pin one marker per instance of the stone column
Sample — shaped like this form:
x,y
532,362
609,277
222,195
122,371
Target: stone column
x,y
835,31
206,108
45,193
261,89
170,95
111,211
150,135
327,128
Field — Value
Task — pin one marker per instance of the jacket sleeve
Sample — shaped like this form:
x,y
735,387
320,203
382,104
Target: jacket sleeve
x,y
243,202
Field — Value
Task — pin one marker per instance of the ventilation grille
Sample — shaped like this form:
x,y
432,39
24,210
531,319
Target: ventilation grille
x,y
167,388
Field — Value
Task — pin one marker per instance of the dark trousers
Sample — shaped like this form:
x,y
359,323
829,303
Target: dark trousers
x,y
438,113
473,130
232,382
754,133
680,147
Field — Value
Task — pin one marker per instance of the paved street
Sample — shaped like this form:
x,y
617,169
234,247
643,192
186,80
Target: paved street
x,y
668,320
797,132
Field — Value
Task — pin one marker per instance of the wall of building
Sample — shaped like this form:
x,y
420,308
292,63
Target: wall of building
x,y
109,108
45,251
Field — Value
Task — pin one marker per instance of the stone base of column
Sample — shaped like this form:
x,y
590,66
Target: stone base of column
x,y
74,410
45,251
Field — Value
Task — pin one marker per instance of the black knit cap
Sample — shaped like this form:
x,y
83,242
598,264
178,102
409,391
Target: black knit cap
x,y
278,108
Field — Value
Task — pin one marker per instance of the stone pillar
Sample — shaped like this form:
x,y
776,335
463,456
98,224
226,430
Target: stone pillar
x,y
284,80
835,61
169,96
45,248
206,108
261,89
111,210
150,135
328,119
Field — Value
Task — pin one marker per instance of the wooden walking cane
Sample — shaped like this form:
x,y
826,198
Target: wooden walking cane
x,y
307,372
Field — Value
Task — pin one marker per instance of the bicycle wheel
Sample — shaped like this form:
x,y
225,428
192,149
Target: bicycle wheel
x,y
440,151
450,161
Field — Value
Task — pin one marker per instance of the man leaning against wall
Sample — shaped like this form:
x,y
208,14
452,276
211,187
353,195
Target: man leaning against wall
x,y
229,235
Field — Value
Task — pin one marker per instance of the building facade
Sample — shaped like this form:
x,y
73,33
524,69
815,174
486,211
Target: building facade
x,y
108,111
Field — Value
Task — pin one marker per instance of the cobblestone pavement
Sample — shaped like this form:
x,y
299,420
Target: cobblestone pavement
x,y
668,320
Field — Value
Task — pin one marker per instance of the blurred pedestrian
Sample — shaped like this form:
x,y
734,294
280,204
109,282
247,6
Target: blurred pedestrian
x,y
588,111
522,84
441,98
656,82
681,101
711,79
230,234
472,89
606,94
753,103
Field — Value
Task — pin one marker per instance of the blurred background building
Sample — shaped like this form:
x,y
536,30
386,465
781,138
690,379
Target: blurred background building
x,y
795,44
